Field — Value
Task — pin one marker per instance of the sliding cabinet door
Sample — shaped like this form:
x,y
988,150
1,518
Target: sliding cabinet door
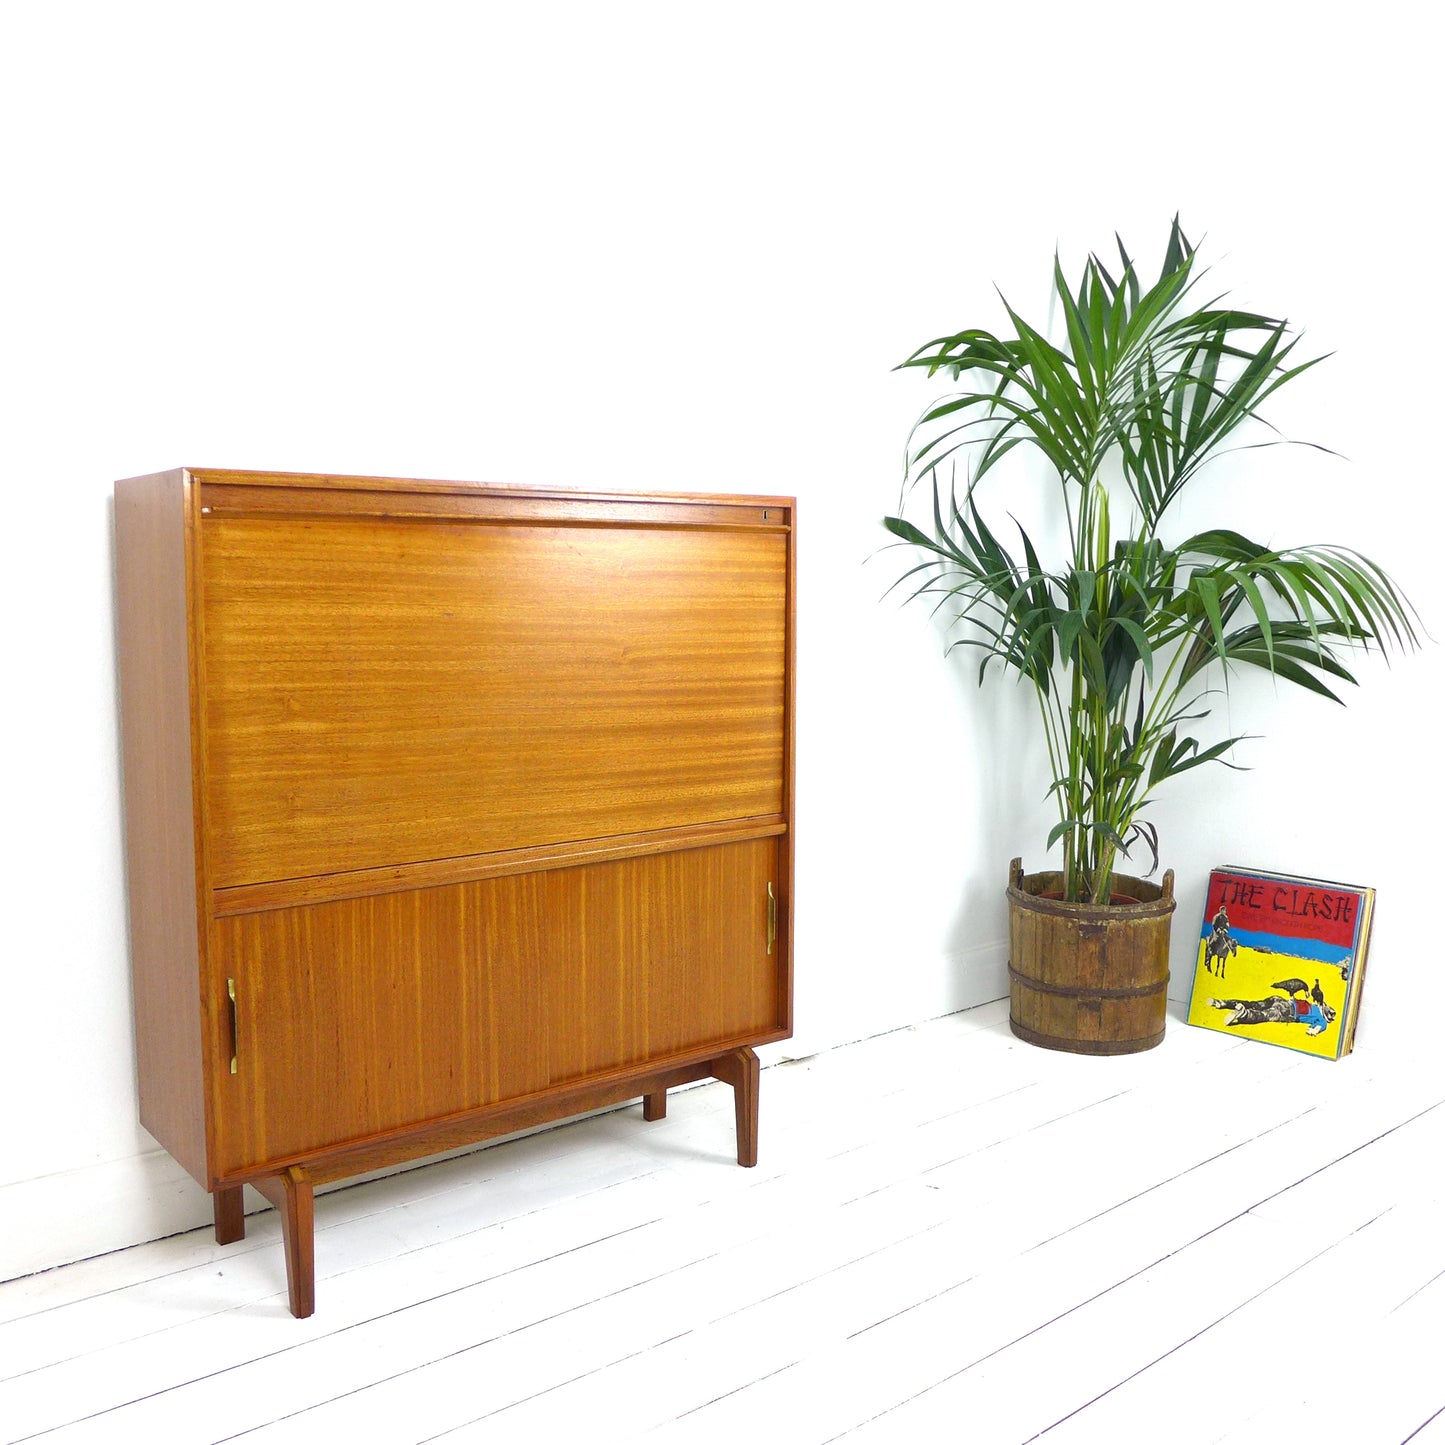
x,y
368,1016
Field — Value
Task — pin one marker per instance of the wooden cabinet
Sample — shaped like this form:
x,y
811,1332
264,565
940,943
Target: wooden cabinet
x,y
450,809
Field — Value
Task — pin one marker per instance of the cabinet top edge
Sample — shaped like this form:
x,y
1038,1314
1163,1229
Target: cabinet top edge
x,y
332,481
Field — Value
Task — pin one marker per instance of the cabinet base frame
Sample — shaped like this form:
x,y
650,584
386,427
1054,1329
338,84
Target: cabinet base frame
x,y
291,1187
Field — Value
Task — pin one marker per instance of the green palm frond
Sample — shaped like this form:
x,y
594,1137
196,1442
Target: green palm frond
x,y
1116,638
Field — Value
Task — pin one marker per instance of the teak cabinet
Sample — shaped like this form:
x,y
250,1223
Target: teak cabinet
x,y
450,809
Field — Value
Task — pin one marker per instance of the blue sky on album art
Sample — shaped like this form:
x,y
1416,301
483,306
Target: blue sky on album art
x,y
1275,943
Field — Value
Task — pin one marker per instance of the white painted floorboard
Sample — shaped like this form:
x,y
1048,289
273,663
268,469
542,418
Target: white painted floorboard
x,y
950,1236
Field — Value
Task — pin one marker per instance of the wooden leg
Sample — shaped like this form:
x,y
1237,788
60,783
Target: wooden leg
x,y
654,1106
230,1216
740,1069
292,1195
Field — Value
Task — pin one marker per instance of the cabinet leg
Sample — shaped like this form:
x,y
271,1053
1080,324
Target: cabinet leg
x,y
654,1106
226,1205
292,1195
740,1069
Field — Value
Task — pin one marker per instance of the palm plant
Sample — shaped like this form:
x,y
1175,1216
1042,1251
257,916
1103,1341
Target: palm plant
x,y
1142,391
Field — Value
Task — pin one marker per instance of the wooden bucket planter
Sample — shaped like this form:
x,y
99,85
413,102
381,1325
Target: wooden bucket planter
x,y
1088,979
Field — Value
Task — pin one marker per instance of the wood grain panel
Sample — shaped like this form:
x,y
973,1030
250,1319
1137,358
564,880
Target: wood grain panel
x,y
288,892
385,691
218,482
161,855
366,1015
490,504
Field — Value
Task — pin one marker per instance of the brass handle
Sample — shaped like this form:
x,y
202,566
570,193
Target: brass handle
x,y
231,994
772,918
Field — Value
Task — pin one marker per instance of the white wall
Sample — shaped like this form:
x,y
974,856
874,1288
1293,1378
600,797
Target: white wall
x,y
678,246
